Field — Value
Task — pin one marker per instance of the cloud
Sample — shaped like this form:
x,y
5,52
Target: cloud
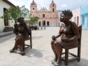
x,y
61,4
27,4
40,3
20,3
64,5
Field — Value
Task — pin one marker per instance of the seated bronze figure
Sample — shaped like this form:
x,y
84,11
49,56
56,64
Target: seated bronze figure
x,y
22,34
68,34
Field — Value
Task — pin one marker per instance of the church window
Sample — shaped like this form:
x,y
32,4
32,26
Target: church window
x,y
43,15
33,9
53,9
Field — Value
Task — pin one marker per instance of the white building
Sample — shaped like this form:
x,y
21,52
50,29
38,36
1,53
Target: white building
x,y
4,5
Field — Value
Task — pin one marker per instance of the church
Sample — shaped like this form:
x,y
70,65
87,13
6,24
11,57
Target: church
x,y
47,17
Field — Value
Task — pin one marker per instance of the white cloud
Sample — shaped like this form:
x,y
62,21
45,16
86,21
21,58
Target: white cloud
x,y
45,3
27,5
64,5
20,3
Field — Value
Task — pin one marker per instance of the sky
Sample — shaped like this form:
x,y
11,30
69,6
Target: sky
x,y
61,4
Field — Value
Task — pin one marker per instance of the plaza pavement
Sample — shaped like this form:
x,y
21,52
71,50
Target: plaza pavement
x,y
41,54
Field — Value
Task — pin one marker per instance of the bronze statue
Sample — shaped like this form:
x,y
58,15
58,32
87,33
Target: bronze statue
x,y
22,34
68,34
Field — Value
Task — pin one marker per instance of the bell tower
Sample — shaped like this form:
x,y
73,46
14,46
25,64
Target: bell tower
x,y
52,6
33,6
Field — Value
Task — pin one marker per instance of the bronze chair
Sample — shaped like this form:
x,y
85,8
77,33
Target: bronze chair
x,y
30,35
76,57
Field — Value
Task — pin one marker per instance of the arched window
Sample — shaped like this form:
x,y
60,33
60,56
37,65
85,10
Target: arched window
x,y
39,23
43,15
44,23
47,23
53,9
33,8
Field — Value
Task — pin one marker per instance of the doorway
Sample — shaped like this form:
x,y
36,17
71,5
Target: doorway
x,y
39,23
5,20
47,23
44,23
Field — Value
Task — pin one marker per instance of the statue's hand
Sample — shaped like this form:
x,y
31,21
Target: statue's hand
x,y
53,38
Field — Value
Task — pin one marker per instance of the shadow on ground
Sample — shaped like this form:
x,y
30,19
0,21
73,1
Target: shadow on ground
x,y
3,39
34,53
83,62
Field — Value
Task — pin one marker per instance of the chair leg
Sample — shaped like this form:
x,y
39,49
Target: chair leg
x,y
31,41
66,57
79,50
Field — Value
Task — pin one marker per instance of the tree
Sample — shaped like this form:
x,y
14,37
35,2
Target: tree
x,y
24,12
6,15
15,13
33,19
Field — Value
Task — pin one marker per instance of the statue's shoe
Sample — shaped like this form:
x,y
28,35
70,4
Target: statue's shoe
x,y
22,53
56,64
11,51
53,61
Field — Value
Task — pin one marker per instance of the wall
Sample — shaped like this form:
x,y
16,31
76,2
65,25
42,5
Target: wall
x,y
76,13
3,5
84,12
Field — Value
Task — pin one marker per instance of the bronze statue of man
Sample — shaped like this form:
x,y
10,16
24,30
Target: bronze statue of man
x,y
68,34
21,31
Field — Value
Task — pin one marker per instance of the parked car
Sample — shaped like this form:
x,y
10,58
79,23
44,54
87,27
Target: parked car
x,y
34,27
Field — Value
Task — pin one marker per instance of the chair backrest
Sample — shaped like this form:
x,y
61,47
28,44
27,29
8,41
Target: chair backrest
x,y
80,32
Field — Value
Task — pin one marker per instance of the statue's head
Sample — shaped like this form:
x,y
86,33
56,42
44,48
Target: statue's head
x,y
20,19
66,15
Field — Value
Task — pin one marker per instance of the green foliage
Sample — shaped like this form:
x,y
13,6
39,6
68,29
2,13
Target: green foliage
x,y
23,11
6,15
33,19
15,12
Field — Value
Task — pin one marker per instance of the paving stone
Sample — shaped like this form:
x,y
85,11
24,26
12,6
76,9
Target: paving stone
x,y
41,54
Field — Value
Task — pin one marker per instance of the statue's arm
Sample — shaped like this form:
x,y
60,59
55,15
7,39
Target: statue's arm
x,y
60,33
15,29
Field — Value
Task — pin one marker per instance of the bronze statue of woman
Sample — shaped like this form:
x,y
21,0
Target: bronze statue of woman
x,y
21,31
68,34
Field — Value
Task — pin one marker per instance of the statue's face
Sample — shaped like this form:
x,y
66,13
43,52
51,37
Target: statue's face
x,y
20,20
64,18
18,23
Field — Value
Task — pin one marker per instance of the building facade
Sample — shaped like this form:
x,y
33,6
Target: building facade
x,y
76,16
84,16
4,5
46,17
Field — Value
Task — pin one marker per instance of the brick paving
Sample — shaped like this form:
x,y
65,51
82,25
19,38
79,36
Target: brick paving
x,y
41,54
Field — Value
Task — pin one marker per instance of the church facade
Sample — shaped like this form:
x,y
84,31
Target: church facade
x,y
48,18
